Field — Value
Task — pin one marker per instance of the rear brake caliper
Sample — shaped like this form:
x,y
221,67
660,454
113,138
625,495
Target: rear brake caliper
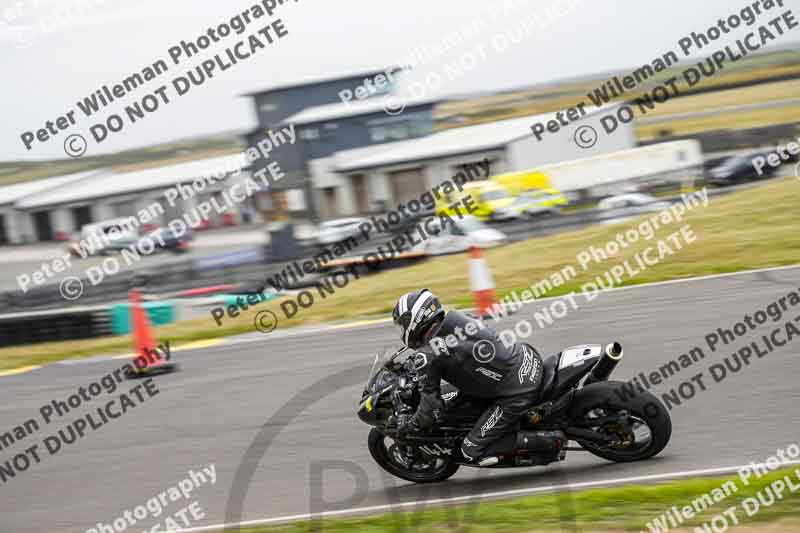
x,y
622,431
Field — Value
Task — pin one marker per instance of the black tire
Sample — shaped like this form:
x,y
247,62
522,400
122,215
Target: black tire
x,y
642,405
380,454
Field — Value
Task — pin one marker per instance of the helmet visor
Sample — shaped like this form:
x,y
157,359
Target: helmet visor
x,y
401,325
401,331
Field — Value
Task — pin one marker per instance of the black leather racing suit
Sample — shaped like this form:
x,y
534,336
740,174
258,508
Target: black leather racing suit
x,y
471,356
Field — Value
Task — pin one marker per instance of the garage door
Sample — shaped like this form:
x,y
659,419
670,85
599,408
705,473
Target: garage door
x,y
41,223
407,185
81,216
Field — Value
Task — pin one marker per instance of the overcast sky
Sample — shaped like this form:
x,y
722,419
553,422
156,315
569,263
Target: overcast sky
x,y
55,52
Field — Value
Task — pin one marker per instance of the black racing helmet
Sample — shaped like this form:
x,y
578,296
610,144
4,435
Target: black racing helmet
x,y
414,314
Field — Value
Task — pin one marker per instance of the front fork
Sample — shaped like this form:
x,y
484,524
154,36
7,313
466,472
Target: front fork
x,y
401,408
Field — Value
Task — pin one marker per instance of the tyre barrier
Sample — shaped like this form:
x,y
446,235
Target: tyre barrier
x,y
18,329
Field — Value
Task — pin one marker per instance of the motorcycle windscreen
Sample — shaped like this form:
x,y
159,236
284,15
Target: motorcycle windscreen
x,y
379,376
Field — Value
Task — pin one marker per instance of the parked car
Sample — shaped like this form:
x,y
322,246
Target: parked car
x,y
103,238
632,204
538,202
459,236
714,162
169,240
738,169
333,231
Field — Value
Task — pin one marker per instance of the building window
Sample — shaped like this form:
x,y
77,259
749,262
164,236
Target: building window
x,y
390,132
420,128
309,134
378,134
398,132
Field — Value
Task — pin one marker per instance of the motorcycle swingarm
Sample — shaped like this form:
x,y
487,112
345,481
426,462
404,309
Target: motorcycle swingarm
x,y
553,412
576,433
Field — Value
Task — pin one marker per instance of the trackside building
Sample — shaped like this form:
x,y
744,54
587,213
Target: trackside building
x,y
367,179
56,208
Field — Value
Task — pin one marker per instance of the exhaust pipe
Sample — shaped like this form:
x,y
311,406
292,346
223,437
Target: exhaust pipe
x,y
541,441
540,447
612,355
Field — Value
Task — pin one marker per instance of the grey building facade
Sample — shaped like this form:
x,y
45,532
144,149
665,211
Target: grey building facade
x,y
340,130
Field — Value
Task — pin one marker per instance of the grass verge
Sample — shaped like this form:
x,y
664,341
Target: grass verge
x,y
745,230
627,508
737,120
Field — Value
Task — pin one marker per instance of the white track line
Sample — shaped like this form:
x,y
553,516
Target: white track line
x,y
489,495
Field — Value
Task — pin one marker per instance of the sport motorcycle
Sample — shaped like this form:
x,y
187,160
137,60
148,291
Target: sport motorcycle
x,y
575,402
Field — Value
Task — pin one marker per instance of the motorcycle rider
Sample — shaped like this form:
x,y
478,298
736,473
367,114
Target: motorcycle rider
x,y
463,351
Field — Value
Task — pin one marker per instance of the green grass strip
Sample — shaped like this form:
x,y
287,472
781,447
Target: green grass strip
x,y
627,508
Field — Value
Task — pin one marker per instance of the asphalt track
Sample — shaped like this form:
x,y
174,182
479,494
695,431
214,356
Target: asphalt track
x,y
251,392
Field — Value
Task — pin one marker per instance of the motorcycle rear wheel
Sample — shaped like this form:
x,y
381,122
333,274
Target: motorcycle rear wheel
x,y
647,413
384,457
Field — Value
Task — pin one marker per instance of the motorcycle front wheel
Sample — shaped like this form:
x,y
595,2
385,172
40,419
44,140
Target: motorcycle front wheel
x,y
389,455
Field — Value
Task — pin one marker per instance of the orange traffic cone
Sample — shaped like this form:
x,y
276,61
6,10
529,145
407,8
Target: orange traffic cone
x,y
148,359
481,283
